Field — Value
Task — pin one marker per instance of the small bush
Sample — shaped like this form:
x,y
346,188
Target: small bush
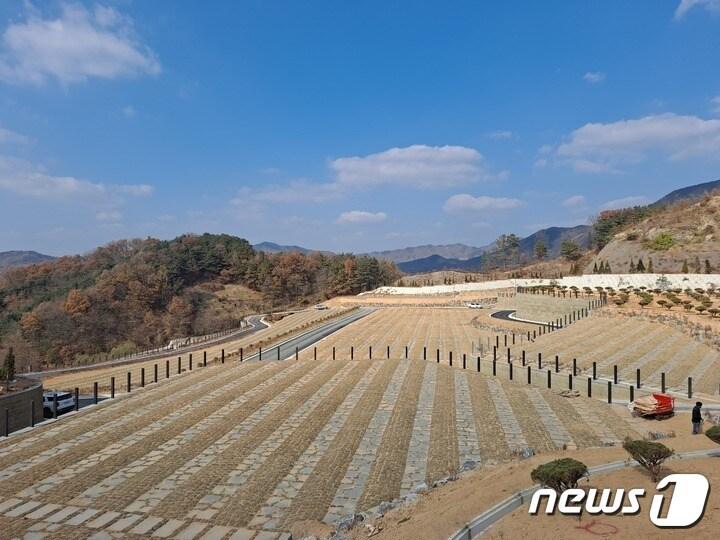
x,y
662,242
650,455
713,434
560,474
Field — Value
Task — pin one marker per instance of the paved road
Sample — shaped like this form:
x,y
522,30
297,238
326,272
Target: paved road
x,y
505,316
303,341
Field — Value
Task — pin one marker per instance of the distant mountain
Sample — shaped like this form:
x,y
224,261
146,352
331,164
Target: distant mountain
x,y
10,259
461,252
433,263
554,237
688,193
272,247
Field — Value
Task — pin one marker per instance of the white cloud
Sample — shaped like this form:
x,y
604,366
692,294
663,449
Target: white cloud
x,y
109,216
715,104
540,163
361,216
625,202
500,135
574,201
24,178
10,137
129,111
605,147
594,77
77,45
415,166
297,191
467,203
686,5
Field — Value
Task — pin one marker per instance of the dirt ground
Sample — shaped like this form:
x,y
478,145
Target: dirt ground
x,y
437,514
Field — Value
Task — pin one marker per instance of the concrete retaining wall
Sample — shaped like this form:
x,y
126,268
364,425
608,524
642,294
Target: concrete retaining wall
x,y
19,408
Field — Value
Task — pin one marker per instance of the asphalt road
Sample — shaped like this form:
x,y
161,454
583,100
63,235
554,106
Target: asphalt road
x,y
303,341
505,315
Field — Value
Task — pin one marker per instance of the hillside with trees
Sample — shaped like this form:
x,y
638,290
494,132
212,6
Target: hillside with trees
x,y
138,294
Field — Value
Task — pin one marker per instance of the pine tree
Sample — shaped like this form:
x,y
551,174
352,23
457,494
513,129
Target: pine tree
x,y
697,264
640,267
650,266
708,268
9,366
685,268
632,266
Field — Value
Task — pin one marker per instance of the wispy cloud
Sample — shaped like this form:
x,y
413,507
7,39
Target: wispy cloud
x,y
500,135
10,137
715,104
597,147
594,77
129,111
684,6
625,202
361,217
464,202
78,45
575,201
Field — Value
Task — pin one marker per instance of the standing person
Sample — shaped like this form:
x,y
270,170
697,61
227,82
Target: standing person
x,y
697,418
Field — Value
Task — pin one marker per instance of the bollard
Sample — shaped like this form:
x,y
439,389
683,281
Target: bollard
x,y
222,356
529,375
494,353
370,352
333,353
478,364
690,388
570,381
609,396
314,353
534,335
95,393
574,366
179,365
511,370
637,377
549,378
112,387
589,390
406,352
155,373
505,340
450,357
497,341
513,338
464,363
260,353
528,335
539,360
297,352
594,371
662,382
494,367
388,352
54,411
352,352
508,355
77,398
424,353
437,356
190,362
241,354
129,382
632,393
615,374
167,369
523,358
557,364
204,358
142,377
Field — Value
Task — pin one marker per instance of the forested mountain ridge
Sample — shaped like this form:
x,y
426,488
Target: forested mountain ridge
x,y
138,294
9,259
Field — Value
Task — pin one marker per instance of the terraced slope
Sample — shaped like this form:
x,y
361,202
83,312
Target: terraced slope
x,y
244,450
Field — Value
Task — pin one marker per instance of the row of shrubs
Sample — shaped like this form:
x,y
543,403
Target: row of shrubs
x,y
565,473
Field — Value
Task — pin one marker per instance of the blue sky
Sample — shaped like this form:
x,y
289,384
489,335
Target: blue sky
x,y
347,126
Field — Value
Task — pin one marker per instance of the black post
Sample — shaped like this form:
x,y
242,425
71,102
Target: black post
x,y
297,352
314,353
190,362
112,387
523,358
179,365
333,353
370,352
464,362
424,353
142,377
95,393
129,382
557,364
539,360
437,356
77,398
260,353
278,352
513,341
167,369
388,352
155,373
406,352
637,377
506,340
54,411
494,367
450,357
352,352
615,374
222,356
609,396
689,387
549,378
570,381
511,370
589,391
241,354
594,371
478,364
534,334
574,366
508,355
662,382
529,375
497,341
204,358
632,393
494,353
